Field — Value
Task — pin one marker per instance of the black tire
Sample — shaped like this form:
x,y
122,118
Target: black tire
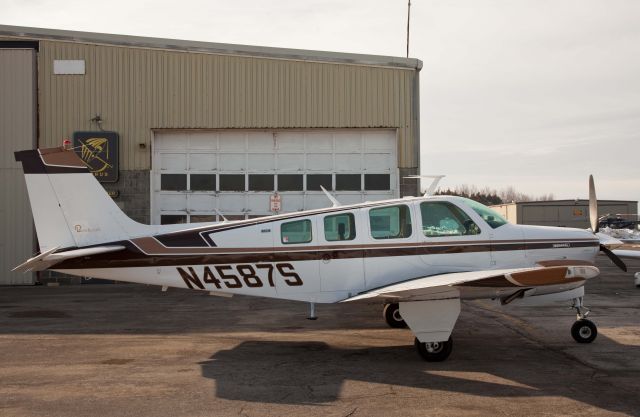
x,y
392,316
437,352
584,331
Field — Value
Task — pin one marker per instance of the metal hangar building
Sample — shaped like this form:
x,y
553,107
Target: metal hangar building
x,y
183,131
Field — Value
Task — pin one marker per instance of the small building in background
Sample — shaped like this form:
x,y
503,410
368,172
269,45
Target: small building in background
x,y
564,213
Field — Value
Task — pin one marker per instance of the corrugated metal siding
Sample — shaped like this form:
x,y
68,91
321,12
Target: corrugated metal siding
x,y
136,90
17,132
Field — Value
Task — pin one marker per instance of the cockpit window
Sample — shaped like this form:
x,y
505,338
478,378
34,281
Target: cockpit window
x,y
490,216
440,218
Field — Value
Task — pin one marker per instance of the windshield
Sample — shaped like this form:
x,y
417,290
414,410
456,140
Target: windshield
x,y
492,218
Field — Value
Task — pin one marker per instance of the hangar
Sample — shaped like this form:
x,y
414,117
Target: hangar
x,y
563,213
185,131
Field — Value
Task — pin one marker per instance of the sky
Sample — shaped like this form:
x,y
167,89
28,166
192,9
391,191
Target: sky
x,y
531,93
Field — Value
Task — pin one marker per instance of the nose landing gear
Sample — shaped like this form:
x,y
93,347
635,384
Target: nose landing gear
x,y
583,330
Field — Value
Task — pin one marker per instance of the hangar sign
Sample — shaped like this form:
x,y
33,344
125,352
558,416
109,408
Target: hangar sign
x,y
99,150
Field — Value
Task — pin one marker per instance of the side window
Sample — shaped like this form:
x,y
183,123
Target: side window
x,y
296,232
340,227
390,222
440,218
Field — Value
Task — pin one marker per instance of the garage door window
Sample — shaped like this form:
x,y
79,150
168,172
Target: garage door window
x,y
314,181
375,182
232,182
261,182
173,219
173,182
348,182
203,182
290,182
340,227
296,232
390,222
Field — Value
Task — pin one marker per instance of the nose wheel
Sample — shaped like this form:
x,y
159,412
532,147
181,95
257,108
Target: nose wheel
x,y
583,330
391,313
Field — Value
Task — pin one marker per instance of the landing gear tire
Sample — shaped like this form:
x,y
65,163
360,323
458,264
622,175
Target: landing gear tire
x,y
434,351
584,331
392,316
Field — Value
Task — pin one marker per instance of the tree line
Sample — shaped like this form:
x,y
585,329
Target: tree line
x,y
491,196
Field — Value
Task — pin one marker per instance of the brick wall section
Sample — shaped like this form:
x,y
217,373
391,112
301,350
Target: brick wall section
x,y
409,186
134,197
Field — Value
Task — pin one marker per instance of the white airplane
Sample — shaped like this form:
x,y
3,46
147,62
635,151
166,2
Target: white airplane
x,y
418,256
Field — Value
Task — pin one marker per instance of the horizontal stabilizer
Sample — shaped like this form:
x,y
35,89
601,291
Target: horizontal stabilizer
x,y
49,258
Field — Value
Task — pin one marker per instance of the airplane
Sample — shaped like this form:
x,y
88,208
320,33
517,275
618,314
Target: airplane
x,y
417,256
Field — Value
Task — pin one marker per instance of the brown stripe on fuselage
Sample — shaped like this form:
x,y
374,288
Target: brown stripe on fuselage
x,y
565,262
149,252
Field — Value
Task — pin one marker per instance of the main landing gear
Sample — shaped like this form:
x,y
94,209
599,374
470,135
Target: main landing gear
x,y
391,313
434,351
583,330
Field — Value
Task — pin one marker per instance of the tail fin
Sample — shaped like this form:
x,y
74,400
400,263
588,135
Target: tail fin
x,y
70,208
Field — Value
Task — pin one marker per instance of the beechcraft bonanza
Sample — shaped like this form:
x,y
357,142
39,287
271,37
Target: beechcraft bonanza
x,y
418,256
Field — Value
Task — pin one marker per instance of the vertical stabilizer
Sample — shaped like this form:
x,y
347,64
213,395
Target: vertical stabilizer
x,y
70,208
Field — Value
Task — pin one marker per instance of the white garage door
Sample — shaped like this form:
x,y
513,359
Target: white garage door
x,y
196,175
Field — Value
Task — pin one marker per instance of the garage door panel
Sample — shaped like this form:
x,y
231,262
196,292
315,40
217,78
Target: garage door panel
x,y
319,141
290,141
349,198
258,203
232,141
232,162
319,162
377,162
290,162
316,201
260,141
292,202
203,141
202,202
345,142
381,140
203,162
172,202
349,162
170,141
173,161
233,202
261,162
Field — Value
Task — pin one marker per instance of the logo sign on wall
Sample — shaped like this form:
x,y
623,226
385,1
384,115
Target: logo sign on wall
x,y
99,150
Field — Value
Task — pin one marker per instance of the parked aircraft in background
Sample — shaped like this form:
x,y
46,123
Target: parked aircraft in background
x,y
419,256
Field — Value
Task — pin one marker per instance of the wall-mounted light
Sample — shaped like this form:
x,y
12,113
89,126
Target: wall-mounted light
x,y
97,119
142,145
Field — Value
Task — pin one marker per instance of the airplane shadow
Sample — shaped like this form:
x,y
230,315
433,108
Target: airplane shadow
x,y
313,372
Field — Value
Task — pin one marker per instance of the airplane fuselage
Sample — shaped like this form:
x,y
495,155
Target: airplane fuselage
x,y
332,254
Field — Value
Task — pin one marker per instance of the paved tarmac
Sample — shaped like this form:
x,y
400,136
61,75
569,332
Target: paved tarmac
x,y
133,350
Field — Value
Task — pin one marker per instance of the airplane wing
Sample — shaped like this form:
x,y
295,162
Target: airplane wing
x,y
628,250
446,285
50,257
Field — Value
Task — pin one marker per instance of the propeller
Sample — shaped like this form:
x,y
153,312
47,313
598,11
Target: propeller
x,y
593,220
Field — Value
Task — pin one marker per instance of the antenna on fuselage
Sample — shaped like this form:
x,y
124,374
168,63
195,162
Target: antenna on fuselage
x,y
224,219
333,200
434,184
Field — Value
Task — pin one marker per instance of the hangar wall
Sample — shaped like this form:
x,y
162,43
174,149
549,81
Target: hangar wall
x,y
17,131
136,90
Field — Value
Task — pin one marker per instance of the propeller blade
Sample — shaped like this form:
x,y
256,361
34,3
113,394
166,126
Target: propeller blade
x,y
614,258
593,206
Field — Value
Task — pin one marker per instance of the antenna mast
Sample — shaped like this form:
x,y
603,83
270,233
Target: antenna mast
x,y
408,20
